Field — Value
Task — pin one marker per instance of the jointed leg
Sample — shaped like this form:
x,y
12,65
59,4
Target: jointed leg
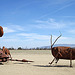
x,y
56,58
52,61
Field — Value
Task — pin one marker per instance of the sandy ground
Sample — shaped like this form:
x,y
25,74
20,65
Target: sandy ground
x,y
40,65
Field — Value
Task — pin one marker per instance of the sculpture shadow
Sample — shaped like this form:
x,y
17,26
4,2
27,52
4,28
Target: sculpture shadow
x,y
51,66
1,63
21,63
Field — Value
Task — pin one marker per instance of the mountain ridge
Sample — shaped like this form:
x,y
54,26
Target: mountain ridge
x,y
68,45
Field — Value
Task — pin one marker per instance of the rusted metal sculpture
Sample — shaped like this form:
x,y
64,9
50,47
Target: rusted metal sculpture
x,y
23,60
1,31
5,53
3,57
61,52
6,56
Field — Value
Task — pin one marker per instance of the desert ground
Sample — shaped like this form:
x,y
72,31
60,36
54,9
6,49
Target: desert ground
x,y
40,65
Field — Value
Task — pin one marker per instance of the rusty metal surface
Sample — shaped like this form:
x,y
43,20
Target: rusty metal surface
x,y
3,57
61,52
1,31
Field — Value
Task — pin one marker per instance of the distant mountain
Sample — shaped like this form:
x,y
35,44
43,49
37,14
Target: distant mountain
x,y
45,47
69,45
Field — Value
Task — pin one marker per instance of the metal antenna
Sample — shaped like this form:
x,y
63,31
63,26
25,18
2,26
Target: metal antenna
x,y
51,41
57,38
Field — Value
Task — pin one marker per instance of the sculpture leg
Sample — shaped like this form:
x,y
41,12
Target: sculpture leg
x,y
52,61
57,60
71,58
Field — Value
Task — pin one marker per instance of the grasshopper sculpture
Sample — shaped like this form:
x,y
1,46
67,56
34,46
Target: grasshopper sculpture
x,y
62,52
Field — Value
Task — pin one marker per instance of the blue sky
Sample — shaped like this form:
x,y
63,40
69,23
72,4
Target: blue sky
x,y
29,23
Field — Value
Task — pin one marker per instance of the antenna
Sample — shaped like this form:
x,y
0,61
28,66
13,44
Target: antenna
x,y
57,39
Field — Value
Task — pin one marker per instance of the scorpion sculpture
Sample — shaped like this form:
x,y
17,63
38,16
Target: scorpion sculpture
x,y
5,53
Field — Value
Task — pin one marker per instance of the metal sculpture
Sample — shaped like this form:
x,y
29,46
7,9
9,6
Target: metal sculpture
x,y
61,52
1,31
3,56
6,56
5,53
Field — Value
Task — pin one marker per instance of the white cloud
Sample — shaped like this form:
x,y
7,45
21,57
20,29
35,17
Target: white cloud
x,y
12,28
64,4
72,31
32,40
63,7
43,40
68,16
34,36
58,1
63,40
50,24
8,30
17,27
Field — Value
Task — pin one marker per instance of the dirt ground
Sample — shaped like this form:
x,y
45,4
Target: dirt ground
x,y
40,65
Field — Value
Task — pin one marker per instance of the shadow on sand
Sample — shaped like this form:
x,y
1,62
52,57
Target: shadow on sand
x,y
1,63
51,65
21,63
